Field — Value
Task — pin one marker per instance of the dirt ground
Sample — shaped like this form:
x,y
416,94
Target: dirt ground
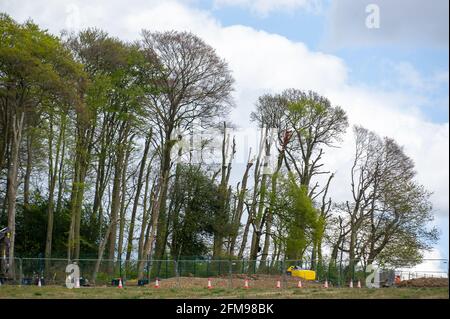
x,y
424,282
238,281
260,286
149,292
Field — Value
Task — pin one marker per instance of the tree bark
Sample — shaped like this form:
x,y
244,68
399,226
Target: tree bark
x,y
12,182
52,176
116,196
136,197
240,207
26,184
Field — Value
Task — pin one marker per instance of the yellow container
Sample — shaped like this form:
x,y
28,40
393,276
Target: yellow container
x,y
302,273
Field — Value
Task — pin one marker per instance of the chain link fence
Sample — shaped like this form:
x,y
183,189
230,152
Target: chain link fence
x,y
220,273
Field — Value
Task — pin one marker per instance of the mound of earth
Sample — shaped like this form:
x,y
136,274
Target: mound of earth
x,y
424,282
238,281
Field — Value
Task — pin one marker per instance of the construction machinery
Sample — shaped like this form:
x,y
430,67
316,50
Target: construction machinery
x,y
297,271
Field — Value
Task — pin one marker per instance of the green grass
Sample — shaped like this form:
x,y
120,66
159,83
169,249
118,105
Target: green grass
x,y
149,292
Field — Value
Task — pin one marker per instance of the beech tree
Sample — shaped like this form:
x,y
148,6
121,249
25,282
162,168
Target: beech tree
x,y
195,85
35,70
387,217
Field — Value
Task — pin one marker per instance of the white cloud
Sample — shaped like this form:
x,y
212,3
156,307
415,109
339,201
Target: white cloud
x,y
263,7
408,76
395,116
433,265
264,62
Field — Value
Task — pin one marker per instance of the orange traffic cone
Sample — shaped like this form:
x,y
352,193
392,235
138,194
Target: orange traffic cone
x,y
246,284
120,283
278,284
209,283
351,284
299,285
359,284
157,283
326,284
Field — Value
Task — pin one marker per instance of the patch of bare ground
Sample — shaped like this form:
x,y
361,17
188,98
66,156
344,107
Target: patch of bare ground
x,y
424,282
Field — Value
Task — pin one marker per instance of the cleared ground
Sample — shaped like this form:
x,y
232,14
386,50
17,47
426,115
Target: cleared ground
x,y
261,286
193,293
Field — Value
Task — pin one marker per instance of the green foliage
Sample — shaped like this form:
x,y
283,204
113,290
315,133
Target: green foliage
x,y
120,74
31,230
301,216
195,195
34,62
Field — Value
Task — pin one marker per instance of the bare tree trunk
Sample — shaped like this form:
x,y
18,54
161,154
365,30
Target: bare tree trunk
x,y
273,194
115,203
12,182
240,207
145,213
61,174
52,175
252,209
136,198
101,250
26,184
222,217
148,248
161,214
85,134
123,207
262,211
245,236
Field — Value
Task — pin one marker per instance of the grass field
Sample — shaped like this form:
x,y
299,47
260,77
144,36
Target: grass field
x,y
240,293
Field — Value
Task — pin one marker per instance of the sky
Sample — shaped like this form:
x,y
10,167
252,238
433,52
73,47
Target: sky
x,y
385,62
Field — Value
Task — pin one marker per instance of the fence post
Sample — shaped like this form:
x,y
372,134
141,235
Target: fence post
x,y
353,271
120,267
148,267
20,272
230,282
339,273
448,269
175,265
195,267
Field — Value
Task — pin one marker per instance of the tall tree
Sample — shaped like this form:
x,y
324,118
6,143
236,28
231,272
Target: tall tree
x,y
195,85
121,74
389,211
34,67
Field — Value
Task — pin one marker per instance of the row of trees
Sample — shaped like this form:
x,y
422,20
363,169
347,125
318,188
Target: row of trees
x,y
97,159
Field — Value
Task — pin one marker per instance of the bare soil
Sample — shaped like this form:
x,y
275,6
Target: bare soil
x,y
238,281
424,282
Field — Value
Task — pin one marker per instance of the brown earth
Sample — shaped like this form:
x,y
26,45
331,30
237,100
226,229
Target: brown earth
x,y
424,282
237,281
